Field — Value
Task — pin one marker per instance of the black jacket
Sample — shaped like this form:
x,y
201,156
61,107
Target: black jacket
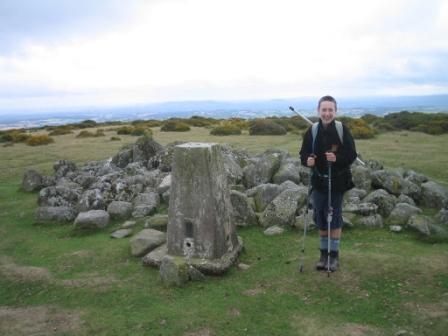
x,y
328,140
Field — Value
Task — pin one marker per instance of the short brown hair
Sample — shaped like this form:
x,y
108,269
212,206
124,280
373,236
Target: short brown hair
x,y
330,99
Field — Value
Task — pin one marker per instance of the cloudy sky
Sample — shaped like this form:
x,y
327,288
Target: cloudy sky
x,y
73,53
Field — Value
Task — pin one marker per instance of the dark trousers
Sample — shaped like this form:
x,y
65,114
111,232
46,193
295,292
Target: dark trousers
x,y
320,209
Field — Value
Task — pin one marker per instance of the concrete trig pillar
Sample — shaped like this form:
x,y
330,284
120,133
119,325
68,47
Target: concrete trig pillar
x,y
200,224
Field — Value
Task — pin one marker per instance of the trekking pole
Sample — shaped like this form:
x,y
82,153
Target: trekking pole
x,y
329,217
310,122
305,222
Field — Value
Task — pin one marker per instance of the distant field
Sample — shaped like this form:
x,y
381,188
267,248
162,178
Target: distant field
x,y
425,153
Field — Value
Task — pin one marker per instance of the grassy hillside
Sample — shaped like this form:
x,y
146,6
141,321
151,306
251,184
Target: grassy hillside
x,y
54,281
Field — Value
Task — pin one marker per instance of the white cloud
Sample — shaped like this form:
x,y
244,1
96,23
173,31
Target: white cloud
x,y
205,49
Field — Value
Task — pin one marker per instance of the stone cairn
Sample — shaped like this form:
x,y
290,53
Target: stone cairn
x,y
268,190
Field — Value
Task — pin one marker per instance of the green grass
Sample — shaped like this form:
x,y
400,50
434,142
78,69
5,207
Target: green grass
x,y
388,282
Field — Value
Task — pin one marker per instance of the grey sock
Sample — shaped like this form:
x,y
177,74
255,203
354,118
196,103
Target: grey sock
x,y
324,243
334,244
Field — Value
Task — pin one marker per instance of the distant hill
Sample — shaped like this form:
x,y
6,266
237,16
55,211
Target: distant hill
x,y
353,107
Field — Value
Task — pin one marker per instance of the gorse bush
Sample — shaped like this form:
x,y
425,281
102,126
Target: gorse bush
x,y
138,130
359,128
61,131
226,129
174,126
198,121
39,140
431,123
15,136
266,127
147,123
88,134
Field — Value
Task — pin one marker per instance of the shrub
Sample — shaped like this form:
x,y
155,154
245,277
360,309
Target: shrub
x,y
147,123
174,126
240,123
86,124
266,127
359,128
226,129
60,131
17,135
38,140
125,130
135,130
115,138
88,134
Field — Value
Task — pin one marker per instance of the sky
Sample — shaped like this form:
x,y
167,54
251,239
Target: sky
x,y
75,53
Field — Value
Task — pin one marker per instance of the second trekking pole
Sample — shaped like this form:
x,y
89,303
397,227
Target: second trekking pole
x,y
329,217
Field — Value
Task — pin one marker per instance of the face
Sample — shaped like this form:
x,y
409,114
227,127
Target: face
x,y
327,112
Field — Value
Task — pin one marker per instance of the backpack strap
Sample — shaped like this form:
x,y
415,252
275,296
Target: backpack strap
x,y
339,129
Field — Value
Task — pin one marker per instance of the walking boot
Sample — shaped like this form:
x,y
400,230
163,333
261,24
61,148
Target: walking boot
x,y
321,265
334,261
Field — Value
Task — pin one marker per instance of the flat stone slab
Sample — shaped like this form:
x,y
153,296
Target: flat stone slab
x,y
154,258
122,233
274,230
205,266
92,219
146,240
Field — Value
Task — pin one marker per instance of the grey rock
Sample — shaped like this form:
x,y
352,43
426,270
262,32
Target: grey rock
x,y
121,233
92,219
383,199
264,194
300,221
362,177
123,157
120,209
405,199
194,274
401,213
154,258
146,240
273,230
174,271
415,178
232,168
395,228
59,195
157,221
128,224
91,200
32,181
373,165
148,151
442,217
348,220
59,214
393,182
242,214
426,226
289,171
261,170
282,210
371,221
85,180
145,204
355,192
63,167
164,185
434,195
363,209
243,267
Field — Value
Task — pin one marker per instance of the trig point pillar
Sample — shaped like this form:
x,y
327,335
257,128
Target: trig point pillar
x,y
200,222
